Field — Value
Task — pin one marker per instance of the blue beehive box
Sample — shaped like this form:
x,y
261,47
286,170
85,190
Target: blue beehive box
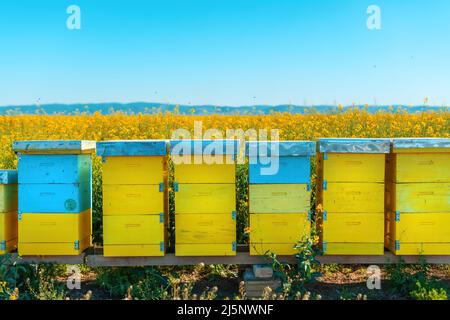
x,y
275,162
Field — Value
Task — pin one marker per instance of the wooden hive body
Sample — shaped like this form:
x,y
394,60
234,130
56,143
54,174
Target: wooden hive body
x,y
55,196
279,195
418,197
350,192
135,197
8,211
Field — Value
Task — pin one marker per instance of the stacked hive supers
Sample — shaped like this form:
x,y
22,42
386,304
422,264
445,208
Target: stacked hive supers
x,y
135,197
418,197
54,196
351,177
279,195
205,197
8,210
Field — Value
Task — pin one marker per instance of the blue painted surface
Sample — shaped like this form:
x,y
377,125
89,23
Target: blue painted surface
x,y
290,170
8,176
354,145
282,148
54,198
132,148
51,146
54,168
213,147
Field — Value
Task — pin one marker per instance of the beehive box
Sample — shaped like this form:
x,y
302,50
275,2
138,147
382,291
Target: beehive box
x,y
418,197
205,197
351,183
279,195
55,196
135,197
8,211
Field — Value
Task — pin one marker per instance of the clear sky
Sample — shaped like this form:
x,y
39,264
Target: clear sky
x,y
225,52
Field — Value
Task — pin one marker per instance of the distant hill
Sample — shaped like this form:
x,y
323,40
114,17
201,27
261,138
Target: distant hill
x,y
154,108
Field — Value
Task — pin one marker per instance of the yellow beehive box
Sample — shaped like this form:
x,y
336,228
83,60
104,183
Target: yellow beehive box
x,y
55,233
418,197
205,197
135,197
279,195
8,211
351,195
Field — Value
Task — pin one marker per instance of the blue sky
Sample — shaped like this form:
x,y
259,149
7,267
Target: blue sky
x,y
225,52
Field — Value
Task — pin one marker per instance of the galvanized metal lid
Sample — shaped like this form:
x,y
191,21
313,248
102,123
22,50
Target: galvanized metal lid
x,y
353,145
421,143
54,146
132,148
205,147
8,176
280,148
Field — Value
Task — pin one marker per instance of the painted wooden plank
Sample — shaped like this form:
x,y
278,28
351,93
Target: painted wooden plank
x,y
353,227
60,259
54,228
354,197
54,198
205,198
8,232
205,147
205,229
191,172
54,168
430,251
133,229
133,250
279,198
347,167
132,199
264,248
278,228
54,146
132,148
422,227
422,167
8,197
53,249
281,170
353,145
133,170
204,250
8,177
422,197
365,248
255,149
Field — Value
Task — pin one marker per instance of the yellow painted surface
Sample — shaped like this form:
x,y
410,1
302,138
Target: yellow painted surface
x,y
420,150
279,198
355,167
278,228
133,170
261,248
210,249
205,198
355,248
52,248
133,229
205,228
206,173
422,197
132,250
8,230
132,199
54,228
8,197
419,248
354,227
354,197
423,167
